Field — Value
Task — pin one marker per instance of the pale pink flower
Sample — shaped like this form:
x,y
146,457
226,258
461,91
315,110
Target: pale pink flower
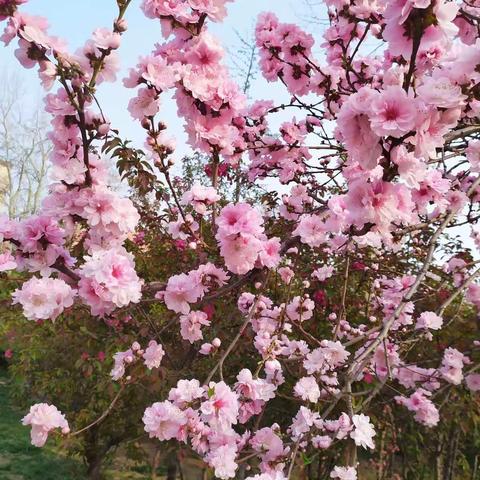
x,y
222,460
344,473
7,262
182,290
145,104
312,230
300,308
303,421
322,441
452,365
43,418
240,252
239,218
222,405
109,280
429,320
153,354
44,298
307,389
441,92
329,355
472,381
286,274
200,197
121,359
269,255
165,421
191,325
322,273
186,392
363,431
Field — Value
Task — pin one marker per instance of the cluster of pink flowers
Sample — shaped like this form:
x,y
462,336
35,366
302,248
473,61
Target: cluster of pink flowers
x,y
205,415
152,357
184,289
185,11
452,365
424,409
109,281
243,243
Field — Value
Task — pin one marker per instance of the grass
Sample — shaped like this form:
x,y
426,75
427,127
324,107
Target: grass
x,y
19,460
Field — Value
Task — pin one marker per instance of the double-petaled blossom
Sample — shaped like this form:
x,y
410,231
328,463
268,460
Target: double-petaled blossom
x,y
44,298
164,420
363,431
153,355
43,418
200,198
108,281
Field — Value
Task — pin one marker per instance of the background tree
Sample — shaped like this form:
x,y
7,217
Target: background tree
x,y
24,149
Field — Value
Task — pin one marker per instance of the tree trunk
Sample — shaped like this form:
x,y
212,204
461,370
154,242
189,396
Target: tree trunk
x,y
172,470
155,464
94,471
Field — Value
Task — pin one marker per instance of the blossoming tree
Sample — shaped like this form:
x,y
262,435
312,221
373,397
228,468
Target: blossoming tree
x,y
380,160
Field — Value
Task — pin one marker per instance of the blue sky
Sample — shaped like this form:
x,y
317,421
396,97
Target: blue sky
x,y
75,20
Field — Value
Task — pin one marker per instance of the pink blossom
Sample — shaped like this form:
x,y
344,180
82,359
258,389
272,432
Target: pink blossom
x,y
452,365
322,441
286,274
191,325
472,381
303,422
429,320
393,113
7,262
267,442
145,104
181,291
311,230
165,421
44,298
109,281
222,405
239,218
322,273
344,473
186,392
200,198
268,476
425,411
269,255
240,252
363,431
153,355
121,359
329,355
300,309
222,460
43,418
307,389
441,92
